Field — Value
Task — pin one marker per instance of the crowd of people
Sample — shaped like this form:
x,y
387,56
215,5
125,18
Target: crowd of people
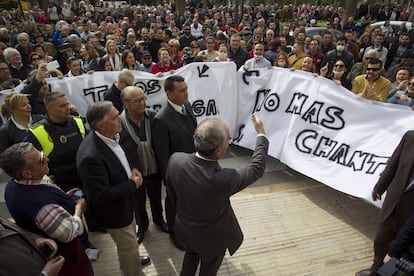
x,y
84,38
124,157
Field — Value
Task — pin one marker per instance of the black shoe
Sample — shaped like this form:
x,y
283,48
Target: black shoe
x,y
162,226
145,260
176,244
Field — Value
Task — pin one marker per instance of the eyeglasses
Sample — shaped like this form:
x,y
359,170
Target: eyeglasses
x,y
339,65
410,83
42,159
373,69
140,100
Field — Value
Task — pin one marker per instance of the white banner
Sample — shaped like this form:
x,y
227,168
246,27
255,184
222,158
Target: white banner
x,y
321,129
315,126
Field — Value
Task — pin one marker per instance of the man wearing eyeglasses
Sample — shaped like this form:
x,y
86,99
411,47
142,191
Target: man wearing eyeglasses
x,y
39,206
135,139
372,85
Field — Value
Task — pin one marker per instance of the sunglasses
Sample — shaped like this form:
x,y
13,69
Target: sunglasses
x,y
339,65
410,83
373,69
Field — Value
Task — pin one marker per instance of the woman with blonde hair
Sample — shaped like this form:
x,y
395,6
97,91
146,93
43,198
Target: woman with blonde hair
x,y
114,57
17,110
175,53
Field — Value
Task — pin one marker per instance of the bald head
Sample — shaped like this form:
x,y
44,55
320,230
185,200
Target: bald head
x,y
211,138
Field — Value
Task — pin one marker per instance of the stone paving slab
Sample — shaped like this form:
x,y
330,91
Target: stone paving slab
x,y
295,228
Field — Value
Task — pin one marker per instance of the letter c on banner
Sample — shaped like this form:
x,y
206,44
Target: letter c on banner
x,y
301,140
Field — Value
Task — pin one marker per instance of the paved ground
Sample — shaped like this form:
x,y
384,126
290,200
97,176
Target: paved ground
x,y
292,226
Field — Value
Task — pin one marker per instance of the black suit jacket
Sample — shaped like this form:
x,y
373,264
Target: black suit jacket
x,y
394,179
108,189
170,134
200,189
114,95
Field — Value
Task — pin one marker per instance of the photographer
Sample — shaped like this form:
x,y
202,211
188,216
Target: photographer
x,y
400,259
400,245
27,253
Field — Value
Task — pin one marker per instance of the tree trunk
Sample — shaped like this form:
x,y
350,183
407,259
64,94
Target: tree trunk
x,y
350,10
180,6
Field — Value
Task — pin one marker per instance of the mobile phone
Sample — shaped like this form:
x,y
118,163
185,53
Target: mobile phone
x,y
76,195
52,65
47,249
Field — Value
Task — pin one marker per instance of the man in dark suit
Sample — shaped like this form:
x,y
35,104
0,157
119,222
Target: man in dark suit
x,y
172,131
398,180
110,183
200,190
135,139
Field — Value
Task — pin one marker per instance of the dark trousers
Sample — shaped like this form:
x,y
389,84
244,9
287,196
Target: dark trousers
x,y
209,264
152,186
170,212
387,231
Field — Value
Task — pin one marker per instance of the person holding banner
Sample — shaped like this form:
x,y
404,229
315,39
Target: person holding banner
x,y
258,61
200,190
397,180
172,131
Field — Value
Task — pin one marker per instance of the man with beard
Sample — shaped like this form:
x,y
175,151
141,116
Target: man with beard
x,y
372,85
186,38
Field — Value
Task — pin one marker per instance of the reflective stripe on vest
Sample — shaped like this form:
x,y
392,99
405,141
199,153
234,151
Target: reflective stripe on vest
x,y
44,139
